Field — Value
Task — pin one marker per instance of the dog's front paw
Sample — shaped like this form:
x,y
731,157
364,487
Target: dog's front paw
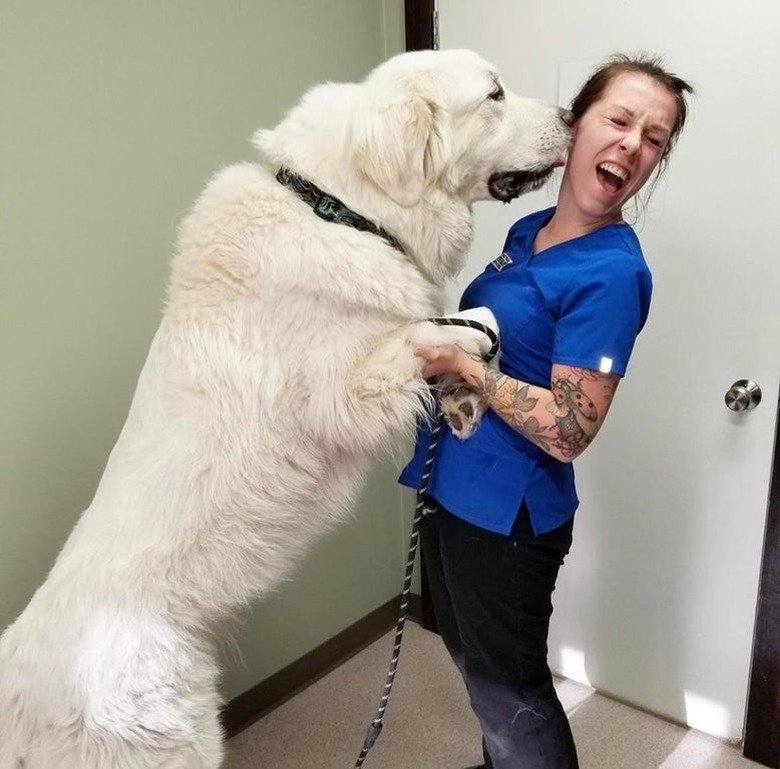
x,y
463,410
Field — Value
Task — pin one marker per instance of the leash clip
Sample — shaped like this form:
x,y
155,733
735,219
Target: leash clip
x,y
371,736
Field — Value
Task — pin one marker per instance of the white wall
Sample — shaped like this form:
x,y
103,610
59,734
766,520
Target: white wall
x,y
656,602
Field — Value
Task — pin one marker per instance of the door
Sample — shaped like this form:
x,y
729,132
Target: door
x,y
657,601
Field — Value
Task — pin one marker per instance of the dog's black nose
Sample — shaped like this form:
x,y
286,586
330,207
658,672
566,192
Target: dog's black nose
x,y
568,117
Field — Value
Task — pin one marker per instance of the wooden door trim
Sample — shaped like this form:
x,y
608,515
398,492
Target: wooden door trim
x,y
762,726
419,24
419,16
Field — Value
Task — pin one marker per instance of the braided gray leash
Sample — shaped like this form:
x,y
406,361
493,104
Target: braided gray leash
x,y
376,725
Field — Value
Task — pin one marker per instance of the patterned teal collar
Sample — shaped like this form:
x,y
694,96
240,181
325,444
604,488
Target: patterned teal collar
x,y
331,208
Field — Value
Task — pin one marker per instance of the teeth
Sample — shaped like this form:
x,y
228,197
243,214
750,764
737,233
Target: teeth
x,y
611,168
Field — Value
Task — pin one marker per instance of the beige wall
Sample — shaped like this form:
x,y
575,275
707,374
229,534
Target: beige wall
x,y
113,116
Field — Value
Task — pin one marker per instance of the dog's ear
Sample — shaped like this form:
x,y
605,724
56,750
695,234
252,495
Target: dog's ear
x,y
391,144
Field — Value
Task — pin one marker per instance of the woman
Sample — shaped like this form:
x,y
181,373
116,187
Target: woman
x,y
570,292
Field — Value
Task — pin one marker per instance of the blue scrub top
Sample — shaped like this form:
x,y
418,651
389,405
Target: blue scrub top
x,y
579,303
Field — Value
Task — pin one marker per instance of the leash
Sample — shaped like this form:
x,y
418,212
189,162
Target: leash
x,y
375,727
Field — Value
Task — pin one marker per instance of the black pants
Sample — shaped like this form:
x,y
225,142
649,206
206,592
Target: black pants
x,y
492,599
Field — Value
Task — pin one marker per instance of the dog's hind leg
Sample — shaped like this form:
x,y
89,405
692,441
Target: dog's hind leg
x,y
189,757
150,691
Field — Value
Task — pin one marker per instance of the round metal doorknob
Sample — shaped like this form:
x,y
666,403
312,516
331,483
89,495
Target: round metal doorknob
x,y
743,395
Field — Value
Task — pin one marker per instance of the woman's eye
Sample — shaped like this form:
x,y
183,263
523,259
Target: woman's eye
x,y
497,94
655,141
617,121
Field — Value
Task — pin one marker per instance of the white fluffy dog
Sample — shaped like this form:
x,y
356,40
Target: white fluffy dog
x,y
283,364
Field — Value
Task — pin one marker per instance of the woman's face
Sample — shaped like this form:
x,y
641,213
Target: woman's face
x,y
617,145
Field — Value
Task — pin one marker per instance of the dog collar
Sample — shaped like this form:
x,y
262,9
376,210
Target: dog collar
x,y
330,208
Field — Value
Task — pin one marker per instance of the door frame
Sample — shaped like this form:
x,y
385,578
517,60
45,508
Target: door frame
x,y
420,36
420,24
762,725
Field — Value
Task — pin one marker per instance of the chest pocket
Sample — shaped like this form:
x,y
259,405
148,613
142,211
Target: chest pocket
x,y
527,332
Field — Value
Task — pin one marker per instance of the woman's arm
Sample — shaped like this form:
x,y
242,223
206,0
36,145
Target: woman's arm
x,y
562,420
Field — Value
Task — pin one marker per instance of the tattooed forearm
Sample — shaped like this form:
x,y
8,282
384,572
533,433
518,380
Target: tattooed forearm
x,y
511,400
562,420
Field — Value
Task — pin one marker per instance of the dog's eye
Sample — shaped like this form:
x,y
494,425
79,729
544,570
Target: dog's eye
x,y
497,94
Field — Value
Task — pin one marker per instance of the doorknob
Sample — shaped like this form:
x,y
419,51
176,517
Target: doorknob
x,y
743,395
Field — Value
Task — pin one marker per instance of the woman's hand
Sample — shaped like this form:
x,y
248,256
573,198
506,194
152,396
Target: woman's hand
x,y
451,359
439,360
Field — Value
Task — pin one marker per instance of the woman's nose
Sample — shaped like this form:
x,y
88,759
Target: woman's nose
x,y
631,141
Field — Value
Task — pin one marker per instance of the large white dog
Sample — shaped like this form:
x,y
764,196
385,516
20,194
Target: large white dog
x,y
283,364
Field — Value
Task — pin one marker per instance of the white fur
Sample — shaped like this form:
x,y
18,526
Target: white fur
x,y
283,364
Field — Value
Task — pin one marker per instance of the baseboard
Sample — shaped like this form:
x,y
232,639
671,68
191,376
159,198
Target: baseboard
x,y
244,710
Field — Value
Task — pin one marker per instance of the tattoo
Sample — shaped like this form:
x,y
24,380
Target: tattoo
x,y
576,419
575,415
589,375
510,398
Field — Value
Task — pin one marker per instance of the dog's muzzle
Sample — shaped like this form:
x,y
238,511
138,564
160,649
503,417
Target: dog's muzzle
x,y
508,185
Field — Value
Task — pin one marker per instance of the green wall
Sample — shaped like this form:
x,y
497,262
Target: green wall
x,y
112,117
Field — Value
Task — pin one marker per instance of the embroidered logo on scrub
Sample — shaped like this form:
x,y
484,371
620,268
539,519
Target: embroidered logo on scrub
x,y
502,261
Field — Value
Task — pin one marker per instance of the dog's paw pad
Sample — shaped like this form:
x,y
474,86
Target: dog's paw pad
x,y
463,410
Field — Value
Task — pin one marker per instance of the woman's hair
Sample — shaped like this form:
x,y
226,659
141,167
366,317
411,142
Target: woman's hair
x,y
643,64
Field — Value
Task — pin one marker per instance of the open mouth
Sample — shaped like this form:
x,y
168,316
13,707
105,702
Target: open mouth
x,y
508,185
611,176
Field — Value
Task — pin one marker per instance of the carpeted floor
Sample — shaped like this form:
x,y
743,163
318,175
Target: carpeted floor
x,y
428,724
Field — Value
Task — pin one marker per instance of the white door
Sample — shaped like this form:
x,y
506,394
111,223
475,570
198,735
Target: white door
x,y
656,603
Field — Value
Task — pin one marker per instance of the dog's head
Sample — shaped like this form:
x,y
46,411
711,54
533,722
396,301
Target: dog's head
x,y
426,119
444,119
433,126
